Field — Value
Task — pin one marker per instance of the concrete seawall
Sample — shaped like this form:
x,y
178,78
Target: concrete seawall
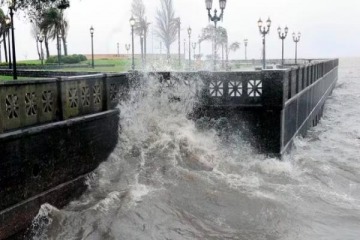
x,y
55,131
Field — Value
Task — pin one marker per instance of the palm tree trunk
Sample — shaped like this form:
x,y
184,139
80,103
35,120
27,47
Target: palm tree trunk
x,y
5,48
222,55
145,46
65,46
46,41
168,52
142,50
227,55
38,50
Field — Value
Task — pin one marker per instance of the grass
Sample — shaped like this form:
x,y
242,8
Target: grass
x,y
114,65
30,61
117,65
10,78
5,78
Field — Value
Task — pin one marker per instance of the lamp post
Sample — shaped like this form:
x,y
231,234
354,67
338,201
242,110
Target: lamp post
x,y
127,47
184,49
92,46
179,37
215,18
199,47
264,29
245,44
132,24
41,39
194,48
12,9
296,39
282,36
142,48
189,32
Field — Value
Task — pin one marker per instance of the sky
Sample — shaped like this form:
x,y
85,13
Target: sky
x,y
329,28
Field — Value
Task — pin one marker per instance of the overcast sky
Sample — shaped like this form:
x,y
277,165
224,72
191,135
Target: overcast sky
x,y
329,28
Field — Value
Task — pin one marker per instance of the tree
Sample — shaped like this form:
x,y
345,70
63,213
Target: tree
x,y
210,33
64,32
233,47
31,6
4,30
142,26
52,25
35,33
166,24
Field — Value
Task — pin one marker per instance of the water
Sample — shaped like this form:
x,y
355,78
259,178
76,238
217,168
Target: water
x,y
168,179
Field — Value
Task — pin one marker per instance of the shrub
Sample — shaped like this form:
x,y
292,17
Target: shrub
x,y
70,59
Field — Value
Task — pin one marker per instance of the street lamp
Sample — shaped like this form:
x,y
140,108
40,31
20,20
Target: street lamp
x,y
127,47
178,21
194,48
8,26
296,39
142,48
264,29
184,49
245,44
282,36
12,9
200,47
41,39
132,24
215,18
189,32
92,46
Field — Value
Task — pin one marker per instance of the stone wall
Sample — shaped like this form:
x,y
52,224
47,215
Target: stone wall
x,y
35,102
53,132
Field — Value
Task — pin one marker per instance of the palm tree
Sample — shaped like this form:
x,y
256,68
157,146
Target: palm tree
x,y
233,47
210,33
141,29
52,25
64,32
4,30
35,33
142,25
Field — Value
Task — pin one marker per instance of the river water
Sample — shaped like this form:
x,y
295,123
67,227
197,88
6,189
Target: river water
x,y
171,179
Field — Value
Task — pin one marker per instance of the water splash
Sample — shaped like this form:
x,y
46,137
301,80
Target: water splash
x,y
173,178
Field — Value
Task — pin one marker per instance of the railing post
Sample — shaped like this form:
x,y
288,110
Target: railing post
x,y
60,99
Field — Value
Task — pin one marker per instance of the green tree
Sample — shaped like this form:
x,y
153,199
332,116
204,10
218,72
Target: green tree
x,y
4,31
31,6
218,35
53,24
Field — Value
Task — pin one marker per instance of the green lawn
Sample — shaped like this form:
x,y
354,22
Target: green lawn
x,y
5,78
119,65
9,78
36,61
